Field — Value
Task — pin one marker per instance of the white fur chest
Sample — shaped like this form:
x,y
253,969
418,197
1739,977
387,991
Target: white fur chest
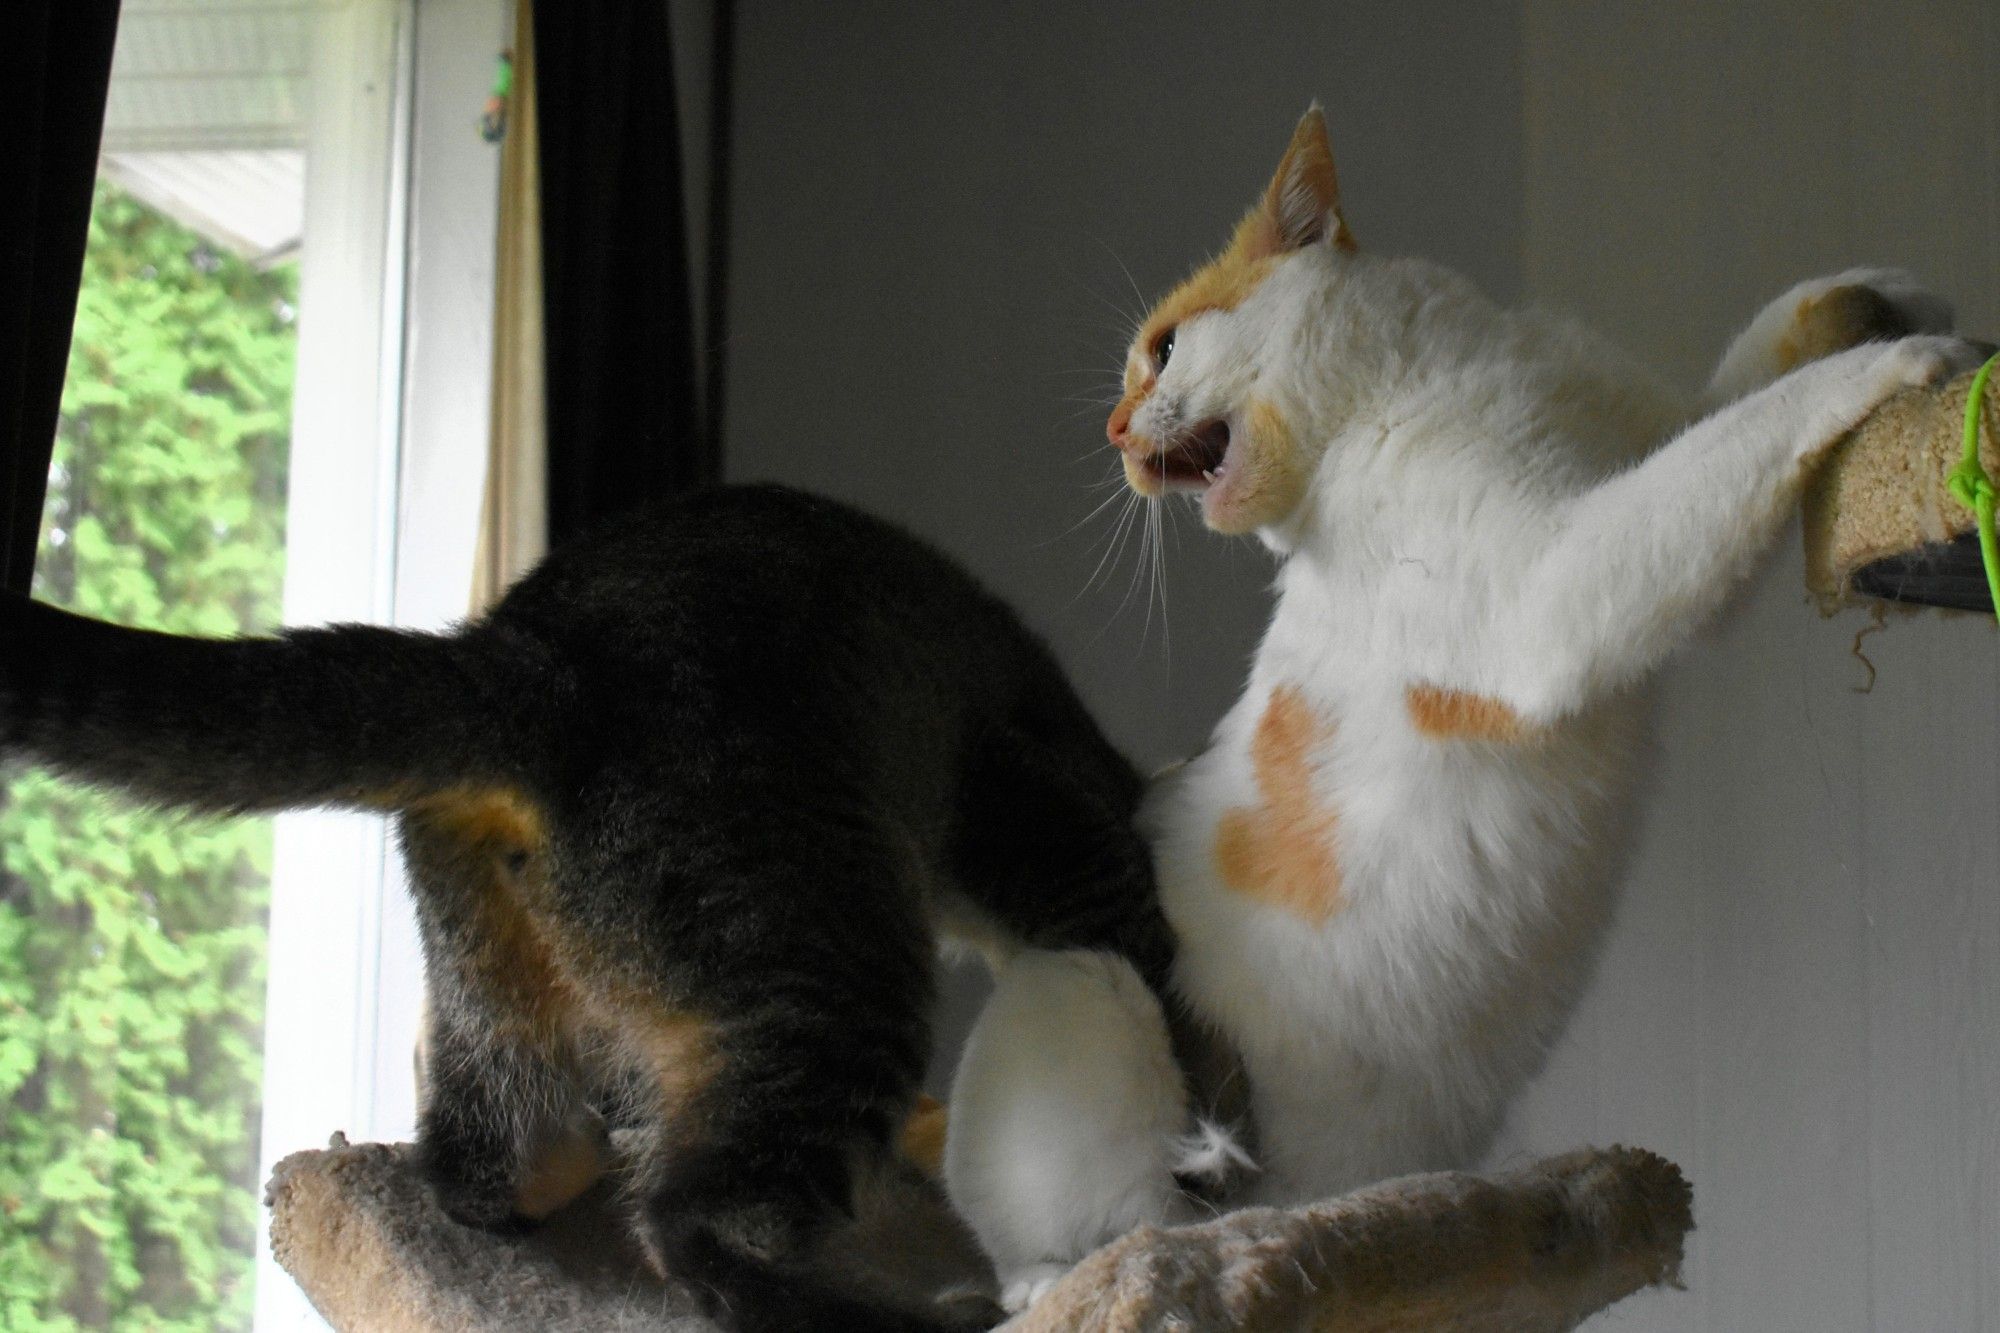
x,y
1385,1012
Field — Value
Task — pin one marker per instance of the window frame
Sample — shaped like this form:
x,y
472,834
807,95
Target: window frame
x,y
390,440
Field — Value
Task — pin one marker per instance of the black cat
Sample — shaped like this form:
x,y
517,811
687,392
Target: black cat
x,y
680,814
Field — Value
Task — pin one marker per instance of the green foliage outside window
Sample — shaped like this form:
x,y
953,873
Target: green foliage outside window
x,y
132,941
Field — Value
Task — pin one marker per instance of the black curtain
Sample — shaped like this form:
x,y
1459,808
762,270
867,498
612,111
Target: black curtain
x,y
623,419
55,62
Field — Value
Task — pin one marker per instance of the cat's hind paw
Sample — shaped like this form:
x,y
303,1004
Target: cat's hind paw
x,y
1837,311
1822,316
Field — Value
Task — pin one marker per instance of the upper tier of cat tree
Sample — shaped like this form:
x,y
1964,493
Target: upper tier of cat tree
x,y
1879,522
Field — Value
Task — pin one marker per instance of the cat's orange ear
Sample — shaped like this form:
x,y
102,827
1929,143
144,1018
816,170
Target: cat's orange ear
x,y
1301,206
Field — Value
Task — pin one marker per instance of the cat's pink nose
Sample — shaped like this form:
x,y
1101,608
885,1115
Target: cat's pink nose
x,y
1118,429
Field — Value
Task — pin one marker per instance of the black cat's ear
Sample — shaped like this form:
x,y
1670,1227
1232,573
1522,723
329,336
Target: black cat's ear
x,y
1301,206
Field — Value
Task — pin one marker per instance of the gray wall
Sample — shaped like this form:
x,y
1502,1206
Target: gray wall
x,y
935,209
1801,1003
933,204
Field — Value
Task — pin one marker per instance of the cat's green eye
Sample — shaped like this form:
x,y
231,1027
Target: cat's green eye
x,y
1163,349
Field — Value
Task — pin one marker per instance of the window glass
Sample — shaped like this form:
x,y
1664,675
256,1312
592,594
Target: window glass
x,y
133,941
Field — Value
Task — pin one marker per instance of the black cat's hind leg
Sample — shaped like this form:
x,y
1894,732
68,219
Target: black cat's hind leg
x,y
1048,844
502,1137
743,1212
810,968
504,1134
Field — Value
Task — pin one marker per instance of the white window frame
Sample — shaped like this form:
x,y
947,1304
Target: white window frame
x,y
389,447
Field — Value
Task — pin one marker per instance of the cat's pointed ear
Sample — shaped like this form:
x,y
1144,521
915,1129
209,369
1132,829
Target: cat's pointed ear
x,y
1301,206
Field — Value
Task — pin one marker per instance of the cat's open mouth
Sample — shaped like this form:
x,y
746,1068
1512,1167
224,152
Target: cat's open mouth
x,y
1197,461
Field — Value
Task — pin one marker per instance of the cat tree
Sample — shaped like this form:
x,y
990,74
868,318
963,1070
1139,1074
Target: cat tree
x,y
1880,521
1541,1248
1537,1249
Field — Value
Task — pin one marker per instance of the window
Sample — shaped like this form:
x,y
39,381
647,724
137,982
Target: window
x,y
134,939
254,429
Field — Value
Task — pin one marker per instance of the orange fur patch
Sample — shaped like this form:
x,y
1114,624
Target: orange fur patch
x,y
1836,320
1269,476
679,1048
1460,715
519,967
1282,851
561,1170
498,830
1223,283
1267,423
496,819
923,1136
497,839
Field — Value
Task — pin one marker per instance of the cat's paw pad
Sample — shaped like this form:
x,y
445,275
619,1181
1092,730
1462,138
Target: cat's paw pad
x,y
1024,1286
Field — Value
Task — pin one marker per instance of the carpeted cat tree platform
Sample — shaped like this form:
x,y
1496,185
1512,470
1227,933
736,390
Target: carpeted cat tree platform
x,y
1880,523
1537,1249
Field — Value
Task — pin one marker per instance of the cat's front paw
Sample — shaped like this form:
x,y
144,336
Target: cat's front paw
x,y
482,1209
1841,391
1926,359
1830,313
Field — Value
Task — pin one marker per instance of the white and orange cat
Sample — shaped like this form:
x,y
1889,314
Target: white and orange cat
x,y
1390,869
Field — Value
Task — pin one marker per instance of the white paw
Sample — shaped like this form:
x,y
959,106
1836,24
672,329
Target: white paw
x,y
1852,384
1024,1286
1926,359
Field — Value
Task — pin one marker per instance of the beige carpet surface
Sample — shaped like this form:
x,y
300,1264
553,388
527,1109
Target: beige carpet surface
x,y
1538,1249
1882,491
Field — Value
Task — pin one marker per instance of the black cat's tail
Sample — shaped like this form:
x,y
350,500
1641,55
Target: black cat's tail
x,y
351,715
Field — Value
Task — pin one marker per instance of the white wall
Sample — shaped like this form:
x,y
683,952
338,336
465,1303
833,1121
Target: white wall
x,y
1802,1000
1801,1004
